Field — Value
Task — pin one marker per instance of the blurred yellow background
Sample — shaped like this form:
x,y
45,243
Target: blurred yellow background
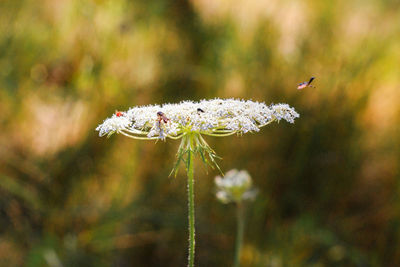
x,y
329,184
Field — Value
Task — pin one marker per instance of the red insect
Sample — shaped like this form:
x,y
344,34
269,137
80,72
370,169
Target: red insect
x,y
161,117
119,113
305,84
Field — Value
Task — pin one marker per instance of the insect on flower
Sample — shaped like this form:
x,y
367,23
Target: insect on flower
x,y
161,117
199,110
119,113
305,84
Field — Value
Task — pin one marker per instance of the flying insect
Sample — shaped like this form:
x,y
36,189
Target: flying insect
x,y
305,84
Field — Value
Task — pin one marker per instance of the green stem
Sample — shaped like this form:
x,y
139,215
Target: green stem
x,y
190,175
239,234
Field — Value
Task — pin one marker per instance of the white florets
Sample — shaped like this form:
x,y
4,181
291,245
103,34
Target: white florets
x,y
113,124
235,186
214,117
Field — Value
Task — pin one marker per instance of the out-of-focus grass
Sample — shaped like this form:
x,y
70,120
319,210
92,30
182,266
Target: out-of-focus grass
x,y
329,183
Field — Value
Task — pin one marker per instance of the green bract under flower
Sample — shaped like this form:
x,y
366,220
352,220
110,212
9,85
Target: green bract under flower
x,y
216,117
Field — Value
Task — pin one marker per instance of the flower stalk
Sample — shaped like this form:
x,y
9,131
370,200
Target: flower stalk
x,y
236,187
239,233
190,175
192,144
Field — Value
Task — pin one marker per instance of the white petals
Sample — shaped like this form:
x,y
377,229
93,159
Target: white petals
x,y
284,111
113,124
215,116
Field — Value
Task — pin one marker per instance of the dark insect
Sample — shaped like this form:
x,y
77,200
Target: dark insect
x,y
161,117
199,110
305,84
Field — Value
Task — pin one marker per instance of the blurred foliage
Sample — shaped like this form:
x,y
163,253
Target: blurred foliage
x,y
329,184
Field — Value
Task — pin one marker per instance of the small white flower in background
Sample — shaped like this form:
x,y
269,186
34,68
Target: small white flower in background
x,y
235,186
216,117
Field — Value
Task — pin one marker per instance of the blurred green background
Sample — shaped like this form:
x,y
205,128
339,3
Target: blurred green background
x,y
329,184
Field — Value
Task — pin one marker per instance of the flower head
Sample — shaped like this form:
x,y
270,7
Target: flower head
x,y
190,120
235,186
216,117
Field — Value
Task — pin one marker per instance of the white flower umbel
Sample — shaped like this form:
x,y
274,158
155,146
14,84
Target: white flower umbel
x,y
189,121
236,186
216,117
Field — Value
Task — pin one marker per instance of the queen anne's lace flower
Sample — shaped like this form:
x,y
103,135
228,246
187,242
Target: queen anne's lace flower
x,y
216,117
190,121
235,186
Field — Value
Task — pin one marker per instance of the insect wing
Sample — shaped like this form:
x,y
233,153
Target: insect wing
x,y
164,118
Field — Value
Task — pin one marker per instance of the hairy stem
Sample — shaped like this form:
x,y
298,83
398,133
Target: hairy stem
x,y
190,175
